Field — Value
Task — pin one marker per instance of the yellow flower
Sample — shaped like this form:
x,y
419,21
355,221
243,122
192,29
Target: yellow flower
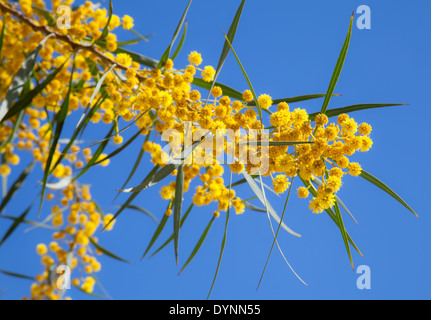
x,y
208,73
265,101
127,22
195,58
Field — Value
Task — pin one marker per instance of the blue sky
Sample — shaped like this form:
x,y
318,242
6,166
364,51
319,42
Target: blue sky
x,y
288,48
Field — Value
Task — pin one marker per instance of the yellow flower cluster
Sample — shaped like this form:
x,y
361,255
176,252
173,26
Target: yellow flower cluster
x,y
154,100
76,218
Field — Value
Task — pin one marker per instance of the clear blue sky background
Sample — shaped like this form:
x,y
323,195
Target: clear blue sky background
x,y
288,48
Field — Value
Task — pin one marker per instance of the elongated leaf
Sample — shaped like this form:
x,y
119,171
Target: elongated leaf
x,y
223,242
20,78
167,52
330,213
16,185
156,234
108,253
131,198
343,231
295,99
146,61
2,34
15,225
96,154
16,275
145,211
105,30
122,147
228,43
319,182
183,219
30,222
198,244
180,44
254,187
59,122
275,235
90,293
27,98
357,107
227,91
165,171
370,178
178,202
250,206
256,101
338,67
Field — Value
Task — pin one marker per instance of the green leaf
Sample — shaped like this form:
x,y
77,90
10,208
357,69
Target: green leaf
x,y
165,171
294,99
178,201
108,253
258,192
14,225
146,61
132,197
275,235
2,34
96,154
180,44
343,231
198,244
256,101
145,211
90,293
357,107
106,28
223,242
59,122
16,275
167,52
16,185
330,213
227,91
20,79
156,234
370,178
338,67
229,40
26,99
183,219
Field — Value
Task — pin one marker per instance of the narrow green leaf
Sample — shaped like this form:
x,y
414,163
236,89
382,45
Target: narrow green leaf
x,y
357,107
156,234
167,52
180,44
338,67
108,253
59,122
26,99
16,185
145,211
20,79
2,34
165,171
178,201
198,244
132,196
343,231
370,178
183,219
256,101
14,225
254,187
106,28
227,91
295,99
16,275
122,147
275,235
146,61
90,293
223,242
330,213
96,154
